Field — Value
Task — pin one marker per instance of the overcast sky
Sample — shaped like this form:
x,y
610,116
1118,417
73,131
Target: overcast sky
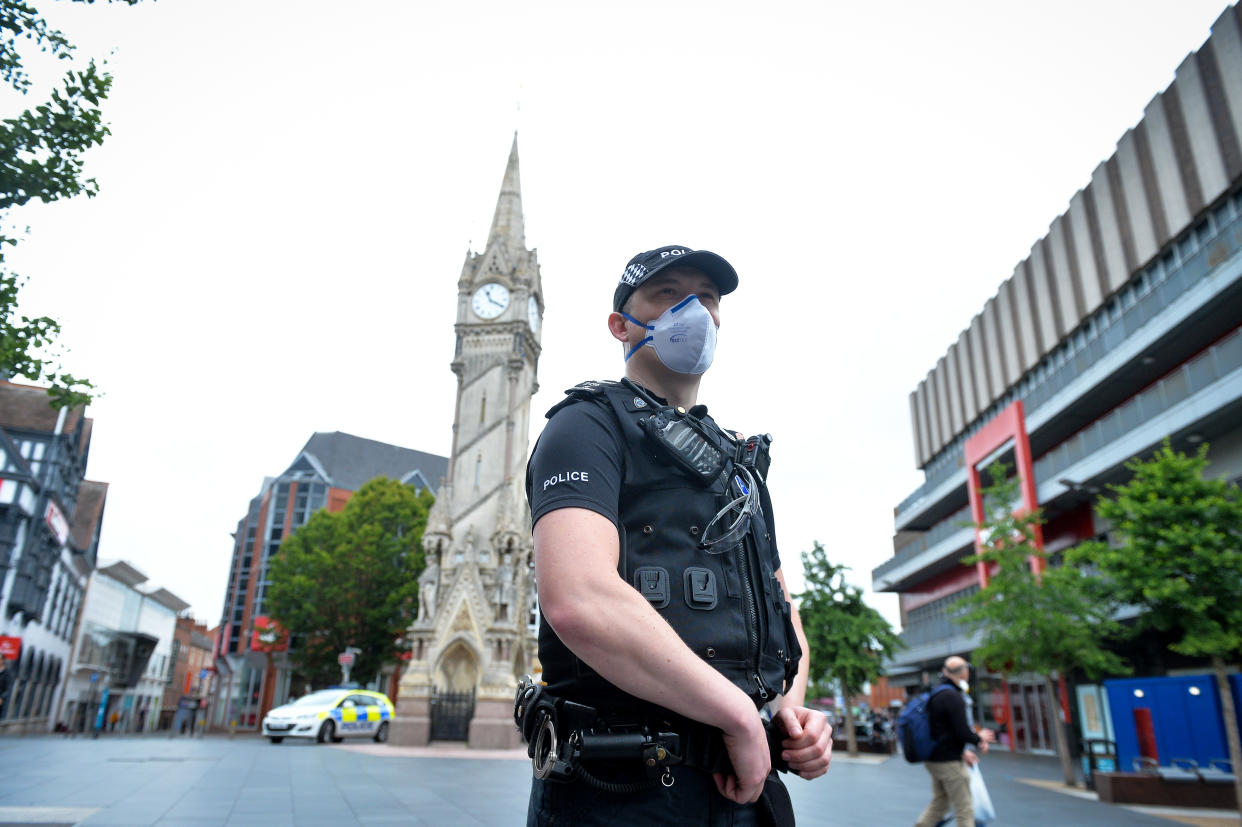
x,y
290,189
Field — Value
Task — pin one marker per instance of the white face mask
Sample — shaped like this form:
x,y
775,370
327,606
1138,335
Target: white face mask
x,y
684,336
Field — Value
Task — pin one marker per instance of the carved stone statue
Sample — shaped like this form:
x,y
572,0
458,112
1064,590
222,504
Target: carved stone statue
x,y
504,586
427,585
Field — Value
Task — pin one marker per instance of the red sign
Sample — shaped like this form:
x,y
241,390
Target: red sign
x,y
10,647
269,636
57,523
345,659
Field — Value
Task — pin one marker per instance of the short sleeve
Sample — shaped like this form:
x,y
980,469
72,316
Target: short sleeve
x,y
578,462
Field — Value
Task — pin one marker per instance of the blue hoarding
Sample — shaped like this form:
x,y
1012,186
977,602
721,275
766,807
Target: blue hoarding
x,y
1185,716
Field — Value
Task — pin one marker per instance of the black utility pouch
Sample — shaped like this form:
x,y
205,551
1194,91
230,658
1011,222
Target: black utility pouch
x,y
775,807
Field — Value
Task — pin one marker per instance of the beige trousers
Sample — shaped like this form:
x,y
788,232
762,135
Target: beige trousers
x,y
950,788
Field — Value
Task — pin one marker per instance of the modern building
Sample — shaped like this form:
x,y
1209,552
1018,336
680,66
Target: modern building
x,y
192,671
50,518
122,653
1121,328
324,474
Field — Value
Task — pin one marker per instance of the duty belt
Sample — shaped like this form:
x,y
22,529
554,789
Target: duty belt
x,y
563,737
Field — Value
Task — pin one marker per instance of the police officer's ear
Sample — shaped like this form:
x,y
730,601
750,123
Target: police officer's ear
x,y
617,327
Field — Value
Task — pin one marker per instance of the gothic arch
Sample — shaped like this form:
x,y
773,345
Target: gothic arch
x,y
458,669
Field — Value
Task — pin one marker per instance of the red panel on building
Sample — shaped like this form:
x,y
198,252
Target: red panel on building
x,y
941,585
10,647
1008,426
1069,529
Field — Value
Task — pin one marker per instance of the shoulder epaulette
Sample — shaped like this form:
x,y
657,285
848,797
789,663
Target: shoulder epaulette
x,y
590,389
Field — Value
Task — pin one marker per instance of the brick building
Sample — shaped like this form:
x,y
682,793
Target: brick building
x,y
192,670
324,474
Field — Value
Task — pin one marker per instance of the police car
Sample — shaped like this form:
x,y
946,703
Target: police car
x,y
331,715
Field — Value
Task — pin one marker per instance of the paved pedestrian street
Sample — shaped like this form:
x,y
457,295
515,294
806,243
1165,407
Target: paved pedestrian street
x,y
247,781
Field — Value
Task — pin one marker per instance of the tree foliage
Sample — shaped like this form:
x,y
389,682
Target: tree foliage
x,y
1035,617
849,639
1055,621
1178,552
41,159
351,579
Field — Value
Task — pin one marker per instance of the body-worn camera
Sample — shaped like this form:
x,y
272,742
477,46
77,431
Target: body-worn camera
x,y
753,453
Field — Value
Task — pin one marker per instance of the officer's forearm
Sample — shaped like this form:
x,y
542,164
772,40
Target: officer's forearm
x,y
797,691
635,649
610,626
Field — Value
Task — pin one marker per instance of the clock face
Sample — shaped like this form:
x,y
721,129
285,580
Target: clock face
x,y
490,300
532,314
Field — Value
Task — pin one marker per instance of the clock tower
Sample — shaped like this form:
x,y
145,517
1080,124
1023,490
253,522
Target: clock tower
x,y
473,636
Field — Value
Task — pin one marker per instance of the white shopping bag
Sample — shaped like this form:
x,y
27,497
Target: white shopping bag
x,y
984,811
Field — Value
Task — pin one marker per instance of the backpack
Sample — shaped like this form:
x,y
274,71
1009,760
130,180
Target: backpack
x,y
914,728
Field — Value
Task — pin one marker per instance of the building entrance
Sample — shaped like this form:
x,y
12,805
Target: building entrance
x,y
1020,711
1031,718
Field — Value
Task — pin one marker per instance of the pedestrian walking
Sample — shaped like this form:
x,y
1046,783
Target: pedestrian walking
x,y
6,680
665,611
950,761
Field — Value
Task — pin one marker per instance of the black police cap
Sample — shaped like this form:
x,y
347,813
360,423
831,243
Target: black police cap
x,y
645,265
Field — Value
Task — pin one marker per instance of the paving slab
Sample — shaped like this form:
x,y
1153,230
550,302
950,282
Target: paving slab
x,y
211,782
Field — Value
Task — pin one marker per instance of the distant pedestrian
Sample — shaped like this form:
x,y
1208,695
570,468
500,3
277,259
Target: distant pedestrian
x,y
949,764
6,680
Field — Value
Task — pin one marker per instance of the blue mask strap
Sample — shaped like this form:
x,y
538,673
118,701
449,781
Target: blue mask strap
x,y
636,348
640,324
636,321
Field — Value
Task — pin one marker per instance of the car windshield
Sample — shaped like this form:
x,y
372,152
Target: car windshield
x,y
325,697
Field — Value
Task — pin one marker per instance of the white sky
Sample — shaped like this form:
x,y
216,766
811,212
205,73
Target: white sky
x,y
290,188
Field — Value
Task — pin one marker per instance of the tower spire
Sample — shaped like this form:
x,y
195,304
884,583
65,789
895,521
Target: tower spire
x,y
507,223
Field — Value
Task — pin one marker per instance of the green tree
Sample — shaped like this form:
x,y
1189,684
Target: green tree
x,y
351,579
849,640
1048,623
41,159
1178,558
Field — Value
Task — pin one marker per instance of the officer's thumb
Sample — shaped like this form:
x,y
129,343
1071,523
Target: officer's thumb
x,y
790,721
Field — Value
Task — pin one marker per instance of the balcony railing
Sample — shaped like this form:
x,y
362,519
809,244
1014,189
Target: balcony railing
x,y
1195,376
951,525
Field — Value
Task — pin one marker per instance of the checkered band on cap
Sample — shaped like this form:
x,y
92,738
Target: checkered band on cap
x,y
633,274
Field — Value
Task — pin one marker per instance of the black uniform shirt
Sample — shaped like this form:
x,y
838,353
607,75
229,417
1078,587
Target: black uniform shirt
x,y
946,712
579,462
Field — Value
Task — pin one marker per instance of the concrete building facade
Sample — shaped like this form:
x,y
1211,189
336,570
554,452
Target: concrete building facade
x,y
1122,327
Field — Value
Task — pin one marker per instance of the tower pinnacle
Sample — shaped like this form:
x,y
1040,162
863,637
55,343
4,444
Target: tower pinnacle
x,y
507,223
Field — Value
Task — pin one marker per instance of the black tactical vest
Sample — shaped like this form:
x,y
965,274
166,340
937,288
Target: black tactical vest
x,y
729,608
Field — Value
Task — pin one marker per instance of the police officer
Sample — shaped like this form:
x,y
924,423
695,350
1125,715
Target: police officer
x,y
662,598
